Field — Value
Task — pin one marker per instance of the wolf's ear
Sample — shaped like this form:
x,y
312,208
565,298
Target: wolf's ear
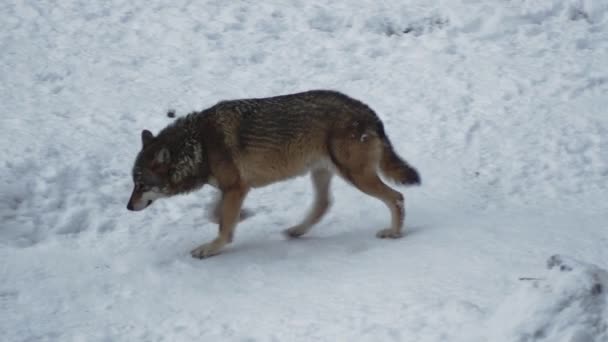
x,y
146,137
163,156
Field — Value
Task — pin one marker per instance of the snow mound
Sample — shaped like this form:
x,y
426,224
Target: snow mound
x,y
567,305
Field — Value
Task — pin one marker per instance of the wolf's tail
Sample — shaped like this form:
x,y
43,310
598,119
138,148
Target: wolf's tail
x,y
395,168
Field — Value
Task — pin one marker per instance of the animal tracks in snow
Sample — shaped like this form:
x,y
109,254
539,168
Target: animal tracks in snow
x,y
51,198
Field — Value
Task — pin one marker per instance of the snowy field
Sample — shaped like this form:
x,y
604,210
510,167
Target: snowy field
x,y
501,105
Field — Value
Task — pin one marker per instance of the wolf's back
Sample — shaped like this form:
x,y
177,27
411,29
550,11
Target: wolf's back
x,y
294,118
307,121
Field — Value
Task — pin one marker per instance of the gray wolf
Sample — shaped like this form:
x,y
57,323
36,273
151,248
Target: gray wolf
x,y
239,145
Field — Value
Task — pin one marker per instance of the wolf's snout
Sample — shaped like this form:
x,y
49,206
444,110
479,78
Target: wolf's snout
x,y
138,205
136,202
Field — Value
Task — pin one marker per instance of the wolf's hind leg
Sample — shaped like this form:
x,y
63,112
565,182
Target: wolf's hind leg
x,y
357,161
321,179
371,184
231,203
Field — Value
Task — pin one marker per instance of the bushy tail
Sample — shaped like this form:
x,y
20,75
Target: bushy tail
x,y
395,168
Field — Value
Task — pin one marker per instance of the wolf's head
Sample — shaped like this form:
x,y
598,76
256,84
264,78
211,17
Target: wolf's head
x,y
151,173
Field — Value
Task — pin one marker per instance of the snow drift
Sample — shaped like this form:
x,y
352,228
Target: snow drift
x,y
567,304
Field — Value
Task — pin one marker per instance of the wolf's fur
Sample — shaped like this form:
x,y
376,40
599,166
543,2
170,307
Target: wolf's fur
x,y
243,144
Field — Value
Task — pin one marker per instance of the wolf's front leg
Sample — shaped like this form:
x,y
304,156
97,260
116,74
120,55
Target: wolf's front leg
x,y
214,211
231,203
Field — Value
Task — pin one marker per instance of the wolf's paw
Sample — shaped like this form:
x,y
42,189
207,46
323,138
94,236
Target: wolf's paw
x,y
205,250
296,231
389,233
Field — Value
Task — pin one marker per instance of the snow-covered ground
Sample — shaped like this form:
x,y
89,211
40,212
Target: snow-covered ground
x,y
501,105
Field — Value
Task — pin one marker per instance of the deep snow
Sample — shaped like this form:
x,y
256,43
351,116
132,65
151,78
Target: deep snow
x,y
502,106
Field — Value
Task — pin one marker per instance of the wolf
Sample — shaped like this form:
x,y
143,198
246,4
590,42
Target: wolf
x,y
238,145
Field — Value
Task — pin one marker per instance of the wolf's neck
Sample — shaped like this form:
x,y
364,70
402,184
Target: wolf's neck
x,y
188,163
187,150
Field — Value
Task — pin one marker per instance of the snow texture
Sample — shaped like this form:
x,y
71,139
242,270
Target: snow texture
x,y
501,106
568,305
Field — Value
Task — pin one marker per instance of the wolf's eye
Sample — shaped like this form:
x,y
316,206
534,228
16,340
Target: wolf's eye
x,y
139,186
145,187
150,179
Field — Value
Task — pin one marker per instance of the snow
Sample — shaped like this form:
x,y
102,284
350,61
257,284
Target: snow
x,y
500,105
568,305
